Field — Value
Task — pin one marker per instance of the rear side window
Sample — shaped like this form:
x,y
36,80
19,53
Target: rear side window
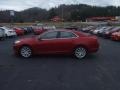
x,y
64,34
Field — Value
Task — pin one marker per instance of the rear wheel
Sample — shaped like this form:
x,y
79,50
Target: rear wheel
x,y
26,52
80,52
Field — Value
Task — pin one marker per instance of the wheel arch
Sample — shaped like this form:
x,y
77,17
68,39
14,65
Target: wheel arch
x,y
81,45
27,46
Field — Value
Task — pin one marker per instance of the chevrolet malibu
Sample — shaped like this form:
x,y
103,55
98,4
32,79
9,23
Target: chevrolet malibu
x,y
57,42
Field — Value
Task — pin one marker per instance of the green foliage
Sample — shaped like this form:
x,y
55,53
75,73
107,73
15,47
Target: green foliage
x,y
51,13
78,12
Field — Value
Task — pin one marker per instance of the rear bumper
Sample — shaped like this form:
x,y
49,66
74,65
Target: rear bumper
x,y
115,38
94,47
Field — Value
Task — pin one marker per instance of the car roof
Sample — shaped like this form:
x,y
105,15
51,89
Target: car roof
x,y
66,30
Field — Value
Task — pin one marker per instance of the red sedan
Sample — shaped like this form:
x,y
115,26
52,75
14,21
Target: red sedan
x,y
57,42
19,31
115,36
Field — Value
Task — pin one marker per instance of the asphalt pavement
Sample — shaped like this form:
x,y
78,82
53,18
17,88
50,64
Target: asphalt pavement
x,y
99,71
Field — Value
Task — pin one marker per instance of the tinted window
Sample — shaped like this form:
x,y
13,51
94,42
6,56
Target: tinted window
x,y
49,35
67,35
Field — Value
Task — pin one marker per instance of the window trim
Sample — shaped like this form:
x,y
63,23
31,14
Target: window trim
x,y
58,35
49,32
76,36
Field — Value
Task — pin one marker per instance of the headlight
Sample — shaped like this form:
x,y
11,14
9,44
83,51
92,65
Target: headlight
x,y
16,42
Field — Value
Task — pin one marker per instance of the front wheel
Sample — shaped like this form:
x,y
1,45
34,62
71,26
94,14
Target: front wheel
x,y
26,52
80,52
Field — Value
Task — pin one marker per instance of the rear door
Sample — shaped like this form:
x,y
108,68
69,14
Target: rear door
x,y
66,41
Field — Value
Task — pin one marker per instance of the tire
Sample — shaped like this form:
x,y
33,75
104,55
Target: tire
x,y
80,52
25,52
3,38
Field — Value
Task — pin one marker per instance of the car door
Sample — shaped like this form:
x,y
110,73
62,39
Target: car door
x,y
48,43
66,41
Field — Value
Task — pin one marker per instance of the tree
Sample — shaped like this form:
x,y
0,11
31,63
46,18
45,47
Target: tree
x,y
67,12
51,13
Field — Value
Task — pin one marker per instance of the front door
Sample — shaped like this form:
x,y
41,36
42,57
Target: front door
x,y
48,43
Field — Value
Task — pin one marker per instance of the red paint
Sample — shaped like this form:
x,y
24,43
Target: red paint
x,y
59,45
115,36
19,31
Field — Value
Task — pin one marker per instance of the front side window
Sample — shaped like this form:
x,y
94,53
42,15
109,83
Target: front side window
x,y
49,35
64,34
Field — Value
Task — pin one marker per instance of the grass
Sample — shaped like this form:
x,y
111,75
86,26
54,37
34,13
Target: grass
x,y
57,24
